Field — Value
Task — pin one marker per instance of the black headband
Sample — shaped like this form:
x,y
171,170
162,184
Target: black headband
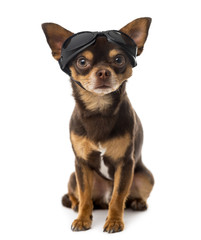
x,y
80,41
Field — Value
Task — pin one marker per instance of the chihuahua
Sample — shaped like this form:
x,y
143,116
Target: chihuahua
x,y
105,131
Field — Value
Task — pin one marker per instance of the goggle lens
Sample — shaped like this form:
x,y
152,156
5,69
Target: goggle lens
x,y
78,40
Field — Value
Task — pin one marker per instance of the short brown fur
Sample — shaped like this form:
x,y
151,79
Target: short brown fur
x,y
117,147
82,146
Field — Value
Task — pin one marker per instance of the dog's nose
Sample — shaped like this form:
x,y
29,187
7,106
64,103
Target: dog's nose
x,y
103,74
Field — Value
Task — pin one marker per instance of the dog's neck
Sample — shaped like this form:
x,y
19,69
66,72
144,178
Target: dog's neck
x,y
90,104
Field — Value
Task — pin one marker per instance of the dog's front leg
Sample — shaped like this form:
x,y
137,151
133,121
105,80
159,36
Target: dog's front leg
x,y
84,177
122,183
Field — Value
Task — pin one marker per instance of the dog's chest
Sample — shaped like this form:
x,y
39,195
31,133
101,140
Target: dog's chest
x,y
103,168
101,156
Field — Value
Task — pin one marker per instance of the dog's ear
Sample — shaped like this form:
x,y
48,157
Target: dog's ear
x,y
55,35
138,31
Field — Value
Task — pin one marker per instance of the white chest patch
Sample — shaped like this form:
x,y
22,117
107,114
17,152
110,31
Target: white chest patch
x,y
103,168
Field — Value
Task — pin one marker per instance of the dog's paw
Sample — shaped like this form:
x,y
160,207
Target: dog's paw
x,y
113,226
138,205
81,225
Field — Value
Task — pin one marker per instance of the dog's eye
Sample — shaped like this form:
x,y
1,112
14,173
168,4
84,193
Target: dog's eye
x,y
120,60
82,62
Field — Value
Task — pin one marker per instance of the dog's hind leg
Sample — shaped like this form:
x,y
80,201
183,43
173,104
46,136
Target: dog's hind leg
x,y
70,199
101,193
141,187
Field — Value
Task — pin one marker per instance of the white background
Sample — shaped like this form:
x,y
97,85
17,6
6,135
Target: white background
x,y
36,104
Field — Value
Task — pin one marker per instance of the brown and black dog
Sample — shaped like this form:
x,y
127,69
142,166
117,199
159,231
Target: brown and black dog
x,y
105,131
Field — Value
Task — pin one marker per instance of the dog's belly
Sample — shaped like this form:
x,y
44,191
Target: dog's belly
x,y
101,189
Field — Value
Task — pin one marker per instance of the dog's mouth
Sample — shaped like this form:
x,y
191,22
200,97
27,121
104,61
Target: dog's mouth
x,y
104,86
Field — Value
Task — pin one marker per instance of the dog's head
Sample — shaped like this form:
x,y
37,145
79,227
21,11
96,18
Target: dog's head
x,y
102,67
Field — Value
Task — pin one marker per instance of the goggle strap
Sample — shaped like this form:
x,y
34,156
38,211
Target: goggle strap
x,y
78,83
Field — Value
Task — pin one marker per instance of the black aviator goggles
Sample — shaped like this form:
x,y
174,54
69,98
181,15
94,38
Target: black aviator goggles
x,y
80,41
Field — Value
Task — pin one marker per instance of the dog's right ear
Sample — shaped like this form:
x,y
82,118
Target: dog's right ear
x,y
55,35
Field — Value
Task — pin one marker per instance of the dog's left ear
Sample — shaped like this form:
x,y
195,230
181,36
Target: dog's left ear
x,y
138,31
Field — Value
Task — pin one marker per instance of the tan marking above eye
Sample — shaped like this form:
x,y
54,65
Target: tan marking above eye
x,y
88,55
113,53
